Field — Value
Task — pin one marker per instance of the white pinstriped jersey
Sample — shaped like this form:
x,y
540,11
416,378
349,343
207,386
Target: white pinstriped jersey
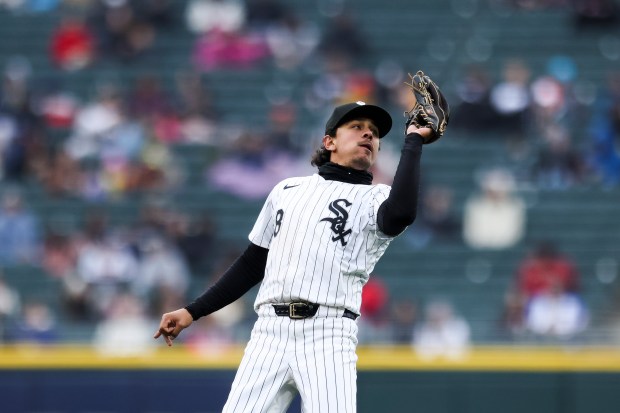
x,y
323,241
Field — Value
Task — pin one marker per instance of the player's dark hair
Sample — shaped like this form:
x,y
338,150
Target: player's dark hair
x,y
320,157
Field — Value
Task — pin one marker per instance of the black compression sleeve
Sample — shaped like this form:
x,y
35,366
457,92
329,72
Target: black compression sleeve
x,y
400,208
247,271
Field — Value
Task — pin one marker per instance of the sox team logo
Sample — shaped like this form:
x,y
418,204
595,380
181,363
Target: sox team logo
x,y
339,222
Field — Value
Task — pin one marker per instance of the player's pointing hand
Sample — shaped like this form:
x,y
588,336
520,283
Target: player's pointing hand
x,y
172,324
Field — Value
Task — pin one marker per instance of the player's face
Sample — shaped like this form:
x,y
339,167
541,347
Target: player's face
x,y
355,145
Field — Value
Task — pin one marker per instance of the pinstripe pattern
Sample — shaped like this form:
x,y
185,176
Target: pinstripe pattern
x,y
323,244
315,357
304,263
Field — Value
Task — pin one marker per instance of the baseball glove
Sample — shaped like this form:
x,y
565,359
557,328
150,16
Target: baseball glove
x,y
431,108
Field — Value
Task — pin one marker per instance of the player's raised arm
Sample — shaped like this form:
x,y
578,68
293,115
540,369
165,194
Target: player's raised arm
x,y
426,122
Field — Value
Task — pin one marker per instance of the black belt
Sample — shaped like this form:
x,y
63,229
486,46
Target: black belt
x,y
298,311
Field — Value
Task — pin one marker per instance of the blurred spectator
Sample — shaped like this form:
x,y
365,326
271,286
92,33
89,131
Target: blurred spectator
x,y
203,16
125,141
222,40
21,148
10,303
441,334
604,131
12,162
473,107
59,253
510,98
21,127
159,13
166,128
611,320
340,83
196,241
125,331
262,14
154,217
512,321
595,13
558,165
436,219
341,79
194,97
105,263
544,299
120,174
556,313
495,218
106,260
198,116
16,88
77,299
147,98
160,218
343,38
62,176
218,49
605,157
37,325
72,44
9,299
122,32
162,275
291,41
374,325
404,318
60,260
252,169
358,85
543,268
553,102
20,241
93,121
58,108
281,128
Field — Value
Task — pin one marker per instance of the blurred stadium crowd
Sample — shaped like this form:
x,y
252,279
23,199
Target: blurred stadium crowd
x,y
108,110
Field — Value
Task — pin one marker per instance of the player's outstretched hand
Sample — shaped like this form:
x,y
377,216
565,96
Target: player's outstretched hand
x,y
172,324
425,132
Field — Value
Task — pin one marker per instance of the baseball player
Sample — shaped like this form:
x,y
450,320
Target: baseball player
x,y
312,248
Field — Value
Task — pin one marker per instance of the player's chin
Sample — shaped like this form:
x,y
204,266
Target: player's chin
x,y
363,163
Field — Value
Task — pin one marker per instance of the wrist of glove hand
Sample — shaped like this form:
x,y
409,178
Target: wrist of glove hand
x,y
425,132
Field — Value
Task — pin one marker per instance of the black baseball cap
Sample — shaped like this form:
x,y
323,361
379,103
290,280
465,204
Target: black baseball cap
x,y
344,113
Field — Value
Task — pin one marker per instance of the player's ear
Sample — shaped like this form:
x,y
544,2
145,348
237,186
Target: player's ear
x,y
328,142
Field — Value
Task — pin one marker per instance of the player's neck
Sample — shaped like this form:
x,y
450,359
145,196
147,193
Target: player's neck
x,y
334,172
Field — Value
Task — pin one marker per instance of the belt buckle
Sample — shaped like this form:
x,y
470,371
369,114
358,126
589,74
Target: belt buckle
x,y
292,310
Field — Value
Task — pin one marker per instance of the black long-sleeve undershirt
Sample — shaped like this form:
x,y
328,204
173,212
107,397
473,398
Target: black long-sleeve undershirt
x,y
247,271
394,215
399,210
